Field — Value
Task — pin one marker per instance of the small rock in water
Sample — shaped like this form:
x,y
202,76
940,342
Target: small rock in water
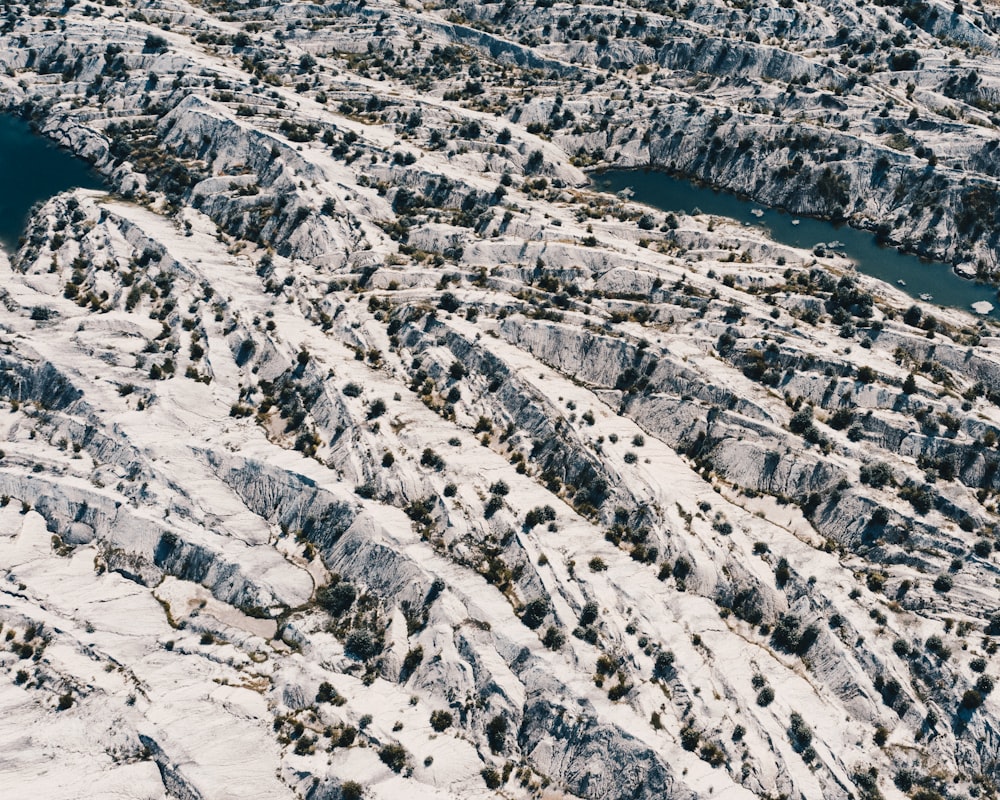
x,y
982,307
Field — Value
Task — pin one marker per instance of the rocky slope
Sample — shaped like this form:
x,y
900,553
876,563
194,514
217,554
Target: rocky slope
x,y
353,447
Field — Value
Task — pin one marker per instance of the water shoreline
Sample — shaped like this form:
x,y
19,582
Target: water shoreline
x,y
33,169
944,283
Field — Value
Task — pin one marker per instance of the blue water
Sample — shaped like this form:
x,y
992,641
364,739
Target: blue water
x,y
33,169
921,277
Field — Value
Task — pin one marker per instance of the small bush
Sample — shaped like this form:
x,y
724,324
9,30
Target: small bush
x,y
393,756
618,691
867,375
554,638
539,515
449,303
328,694
876,475
712,754
496,733
971,700
362,644
154,44
337,598
782,572
534,613
494,780
799,734
664,664
588,614
351,790
441,720
765,696
493,505
431,459
411,661
788,638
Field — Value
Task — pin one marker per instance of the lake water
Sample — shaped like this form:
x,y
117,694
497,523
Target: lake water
x,y
921,277
33,169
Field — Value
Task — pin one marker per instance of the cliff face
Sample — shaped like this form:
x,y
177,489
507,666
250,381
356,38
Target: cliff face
x,y
353,447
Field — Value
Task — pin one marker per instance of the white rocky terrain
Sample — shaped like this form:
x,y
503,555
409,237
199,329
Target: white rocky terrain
x,y
354,447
